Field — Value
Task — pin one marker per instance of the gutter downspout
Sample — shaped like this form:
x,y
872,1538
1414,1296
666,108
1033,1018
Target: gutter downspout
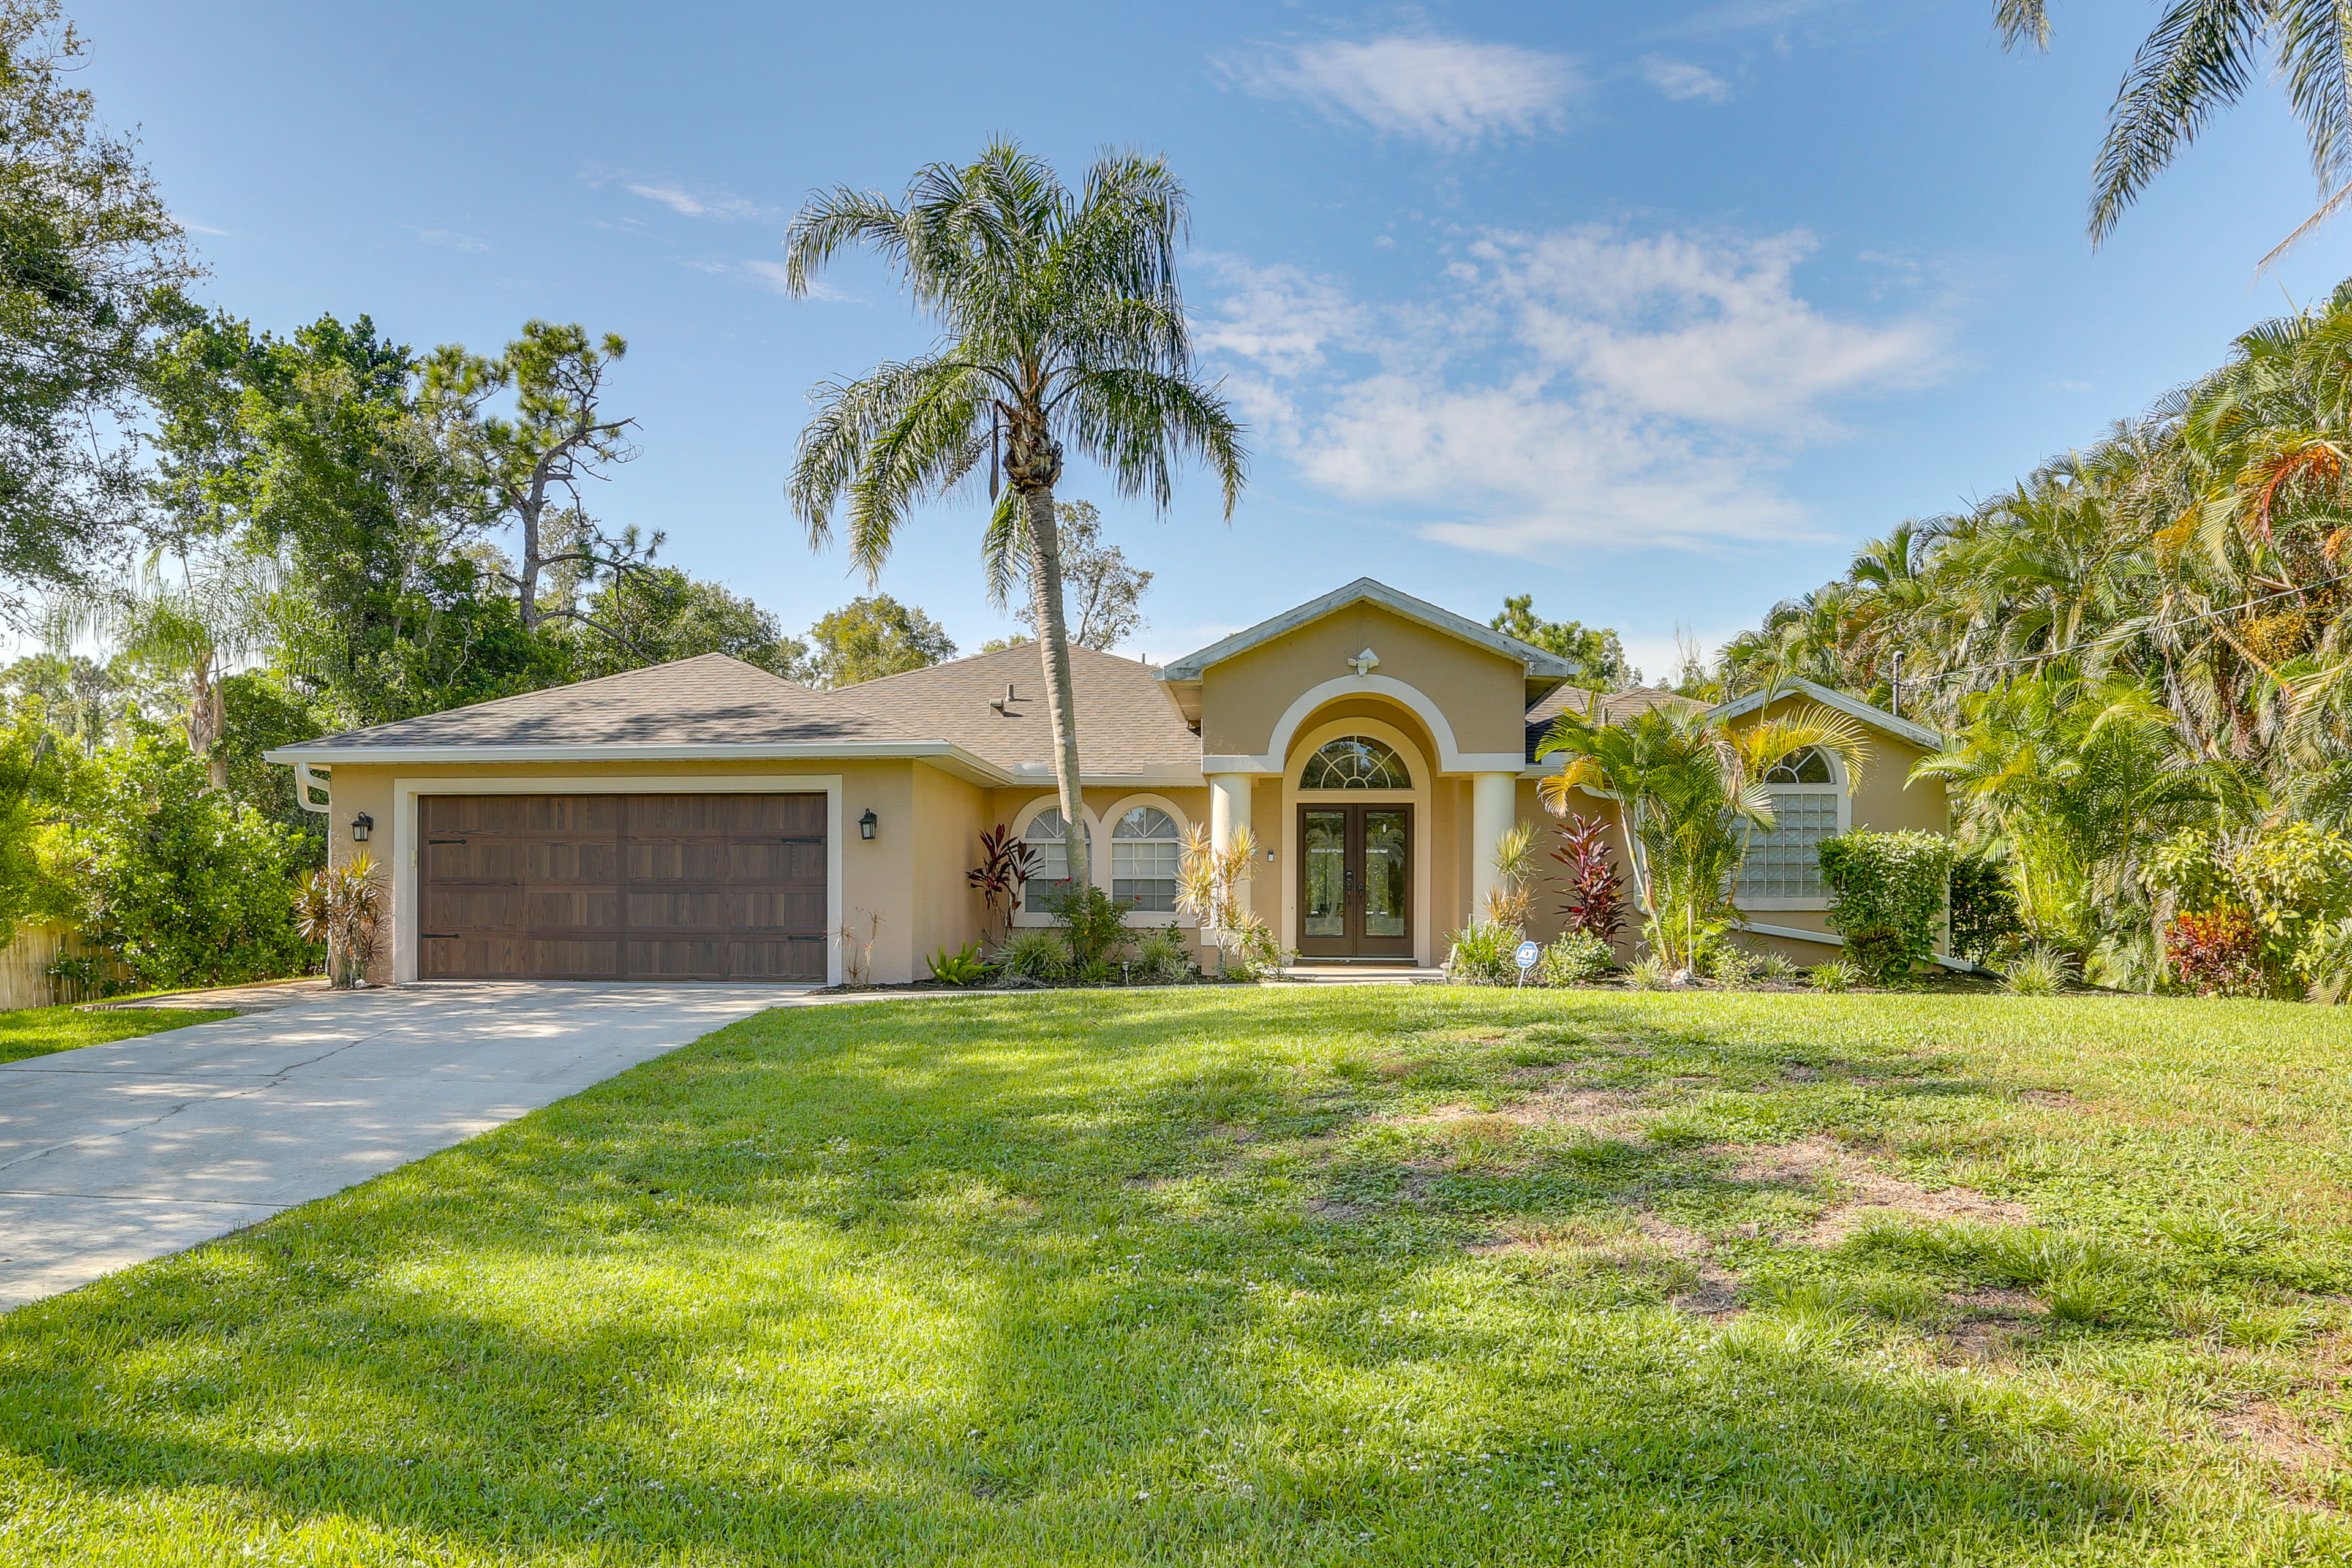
x,y
305,781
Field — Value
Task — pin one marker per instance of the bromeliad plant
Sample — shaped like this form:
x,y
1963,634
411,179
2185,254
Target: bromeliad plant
x,y
1688,786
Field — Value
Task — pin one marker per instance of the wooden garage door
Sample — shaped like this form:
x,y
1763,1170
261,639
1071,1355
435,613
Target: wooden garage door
x,y
622,887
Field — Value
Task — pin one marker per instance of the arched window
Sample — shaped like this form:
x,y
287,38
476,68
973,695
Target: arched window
x,y
1355,762
1784,861
1050,838
1143,850
1800,767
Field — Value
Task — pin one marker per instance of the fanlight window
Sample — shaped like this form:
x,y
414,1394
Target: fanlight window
x,y
1357,762
1801,767
1050,838
1143,850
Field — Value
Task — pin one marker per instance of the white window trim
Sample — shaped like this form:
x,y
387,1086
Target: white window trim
x,y
405,838
1421,797
1143,919
1096,835
1837,785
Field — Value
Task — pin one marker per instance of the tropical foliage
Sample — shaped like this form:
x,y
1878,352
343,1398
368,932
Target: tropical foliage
x,y
1689,786
1886,898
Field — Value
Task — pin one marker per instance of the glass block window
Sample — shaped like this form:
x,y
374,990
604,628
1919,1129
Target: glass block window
x,y
1050,838
1356,761
1143,849
1785,862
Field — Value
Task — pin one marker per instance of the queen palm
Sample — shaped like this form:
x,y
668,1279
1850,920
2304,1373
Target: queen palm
x,y
1063,329
2197,61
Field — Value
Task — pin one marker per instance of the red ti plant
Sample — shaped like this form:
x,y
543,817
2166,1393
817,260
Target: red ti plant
x,y
1006,864
1596,898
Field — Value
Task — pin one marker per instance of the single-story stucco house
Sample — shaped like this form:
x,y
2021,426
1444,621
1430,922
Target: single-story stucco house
x,y
706,819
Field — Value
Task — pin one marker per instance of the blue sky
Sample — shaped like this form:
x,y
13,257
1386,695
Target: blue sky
x,y
1649,311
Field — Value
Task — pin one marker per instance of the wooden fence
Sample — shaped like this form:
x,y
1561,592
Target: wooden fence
x,y
24,965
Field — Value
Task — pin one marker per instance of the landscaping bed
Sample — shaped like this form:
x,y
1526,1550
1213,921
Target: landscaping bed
x,y
1402,1275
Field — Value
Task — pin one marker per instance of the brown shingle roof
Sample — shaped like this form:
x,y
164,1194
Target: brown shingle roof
x,y
1611,708
711,699
1126,723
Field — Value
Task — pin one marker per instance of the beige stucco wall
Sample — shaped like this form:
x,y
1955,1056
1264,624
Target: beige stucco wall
x,y
1483,694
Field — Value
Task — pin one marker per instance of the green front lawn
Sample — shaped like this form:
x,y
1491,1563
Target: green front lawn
x,y
36,1031
1332,1276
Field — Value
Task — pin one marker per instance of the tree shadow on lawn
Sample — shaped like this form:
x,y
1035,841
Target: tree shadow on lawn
x,y
879,1284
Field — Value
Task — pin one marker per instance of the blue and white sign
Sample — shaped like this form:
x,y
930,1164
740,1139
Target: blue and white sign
x,y
1528,954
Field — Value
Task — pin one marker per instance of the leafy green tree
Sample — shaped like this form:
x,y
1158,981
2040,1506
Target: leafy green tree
x,y
315,456
261,711
654,616
530,467
90,263
868,638
78,700
1063,328
1102,595
2071,782
1600,657
180,882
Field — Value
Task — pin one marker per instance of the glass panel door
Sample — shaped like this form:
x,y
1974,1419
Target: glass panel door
x,y
1323,909
1384,875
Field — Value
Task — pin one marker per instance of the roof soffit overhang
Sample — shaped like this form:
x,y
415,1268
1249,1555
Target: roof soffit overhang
x,y
947,758
1852,707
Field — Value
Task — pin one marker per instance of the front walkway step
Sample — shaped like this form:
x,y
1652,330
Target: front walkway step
x,y
1363,975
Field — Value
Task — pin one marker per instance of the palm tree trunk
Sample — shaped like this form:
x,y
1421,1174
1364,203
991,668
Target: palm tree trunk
x,y
1061,699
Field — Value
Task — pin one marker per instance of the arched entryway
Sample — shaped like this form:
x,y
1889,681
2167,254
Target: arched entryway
x,y
1357,792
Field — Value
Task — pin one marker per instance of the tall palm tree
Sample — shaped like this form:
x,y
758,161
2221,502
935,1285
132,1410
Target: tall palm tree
x,y
2197,62
1063,328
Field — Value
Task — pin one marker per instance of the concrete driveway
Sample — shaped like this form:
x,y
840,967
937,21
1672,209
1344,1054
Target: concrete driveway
x,y
113,1154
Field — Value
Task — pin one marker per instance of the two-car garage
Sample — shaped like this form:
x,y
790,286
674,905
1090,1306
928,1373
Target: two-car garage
x,y
622,887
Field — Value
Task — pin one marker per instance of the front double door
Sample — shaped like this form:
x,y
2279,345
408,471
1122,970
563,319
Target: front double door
x,y
1354,870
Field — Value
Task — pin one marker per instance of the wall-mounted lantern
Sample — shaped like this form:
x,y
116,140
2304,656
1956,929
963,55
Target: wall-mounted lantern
x,y
865,824
361,826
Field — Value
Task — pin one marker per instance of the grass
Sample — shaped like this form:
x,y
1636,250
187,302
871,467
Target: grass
x,y
1380,1276
37,1031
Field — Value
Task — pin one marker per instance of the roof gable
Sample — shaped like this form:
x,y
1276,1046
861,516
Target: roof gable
x,y
1539,663
1852,707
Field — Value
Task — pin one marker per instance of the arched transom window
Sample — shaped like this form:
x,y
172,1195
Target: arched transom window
x,y
1355,762
1049,837
1143,850
1784,861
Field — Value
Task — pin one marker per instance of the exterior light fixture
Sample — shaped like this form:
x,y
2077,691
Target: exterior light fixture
x,y
865,824
361,826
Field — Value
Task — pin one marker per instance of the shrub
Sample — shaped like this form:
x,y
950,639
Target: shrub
x,y
1092,922
1649,973
2295,879
1034,954
2217,953
1886,892
1161,956
1734,967
962,967
1777,968
1576,956
182,884
1984,919
2038,971
1596,897
1482,953
1836,976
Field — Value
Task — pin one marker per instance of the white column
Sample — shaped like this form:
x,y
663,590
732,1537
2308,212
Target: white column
x,y
1494,806
1229,813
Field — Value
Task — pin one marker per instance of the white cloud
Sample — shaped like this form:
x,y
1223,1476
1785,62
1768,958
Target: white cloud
x,y
450,239
193,226
716,206
1451,92
1681,80
767,275
1571,389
